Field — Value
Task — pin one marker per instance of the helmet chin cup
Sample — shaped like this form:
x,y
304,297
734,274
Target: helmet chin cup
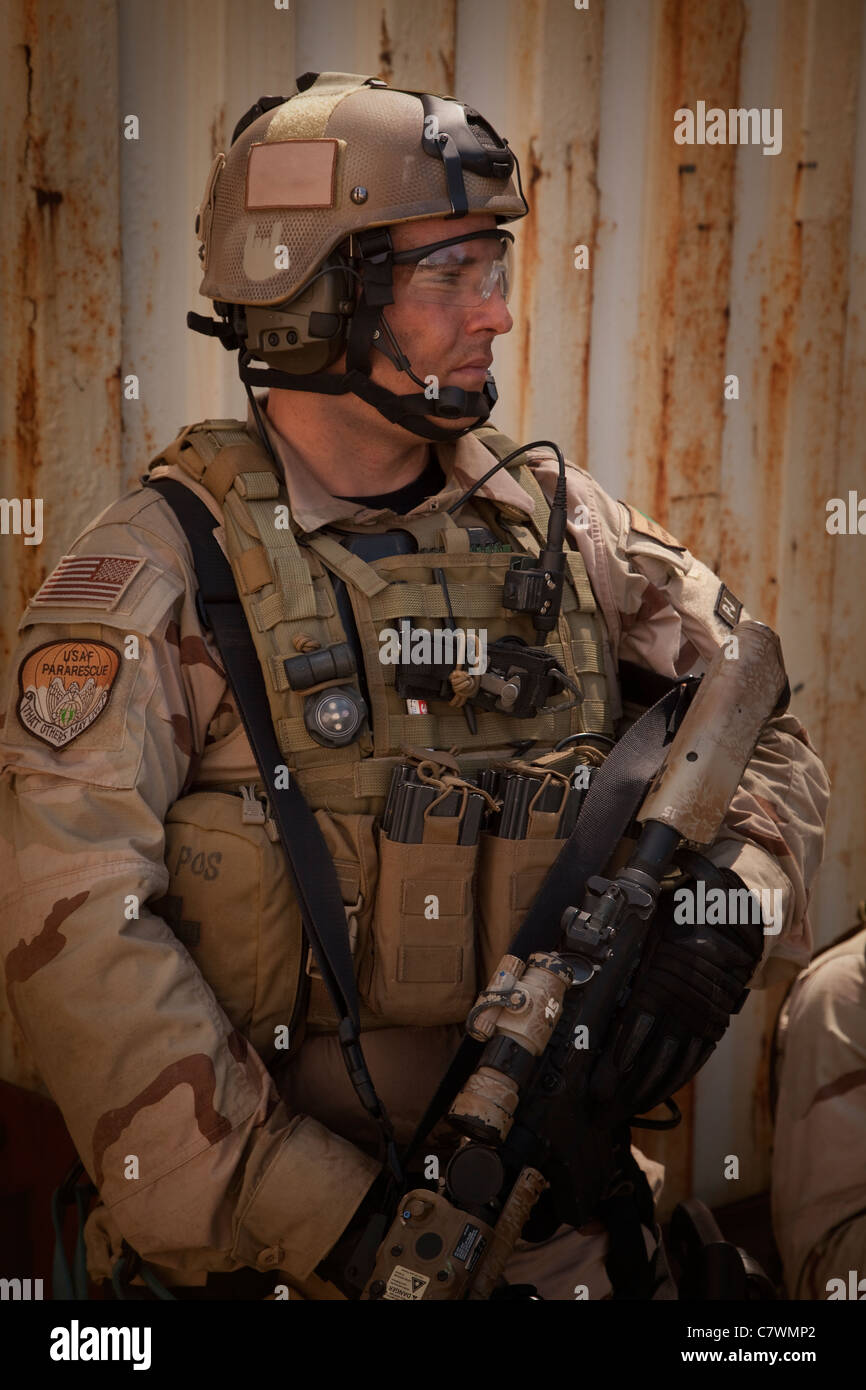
x,y
453,402
419,415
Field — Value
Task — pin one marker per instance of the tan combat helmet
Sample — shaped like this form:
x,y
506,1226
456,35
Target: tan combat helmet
x,y
294,237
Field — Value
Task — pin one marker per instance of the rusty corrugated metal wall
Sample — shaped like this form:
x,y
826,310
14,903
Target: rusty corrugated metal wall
x,y
704,261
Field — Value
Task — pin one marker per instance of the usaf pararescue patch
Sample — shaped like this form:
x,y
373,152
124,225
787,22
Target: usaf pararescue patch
x,y
728,608
64,688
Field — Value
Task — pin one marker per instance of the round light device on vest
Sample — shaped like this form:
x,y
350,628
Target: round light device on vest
x,y
336,716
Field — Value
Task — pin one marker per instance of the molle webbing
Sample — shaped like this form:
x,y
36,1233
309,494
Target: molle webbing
x,y
283,578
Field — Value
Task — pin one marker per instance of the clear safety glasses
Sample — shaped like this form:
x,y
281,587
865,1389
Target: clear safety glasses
x,y
462,272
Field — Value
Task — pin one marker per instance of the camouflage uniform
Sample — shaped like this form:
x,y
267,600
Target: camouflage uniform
x,y
128,1035
819,1159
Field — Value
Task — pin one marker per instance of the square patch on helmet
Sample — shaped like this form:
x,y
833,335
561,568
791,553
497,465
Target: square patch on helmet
x,y
291,174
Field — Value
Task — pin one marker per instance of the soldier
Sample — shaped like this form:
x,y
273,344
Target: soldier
x,y
353,239
819,1183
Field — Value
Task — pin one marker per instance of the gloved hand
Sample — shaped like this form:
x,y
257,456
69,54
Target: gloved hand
x,y
335,1266
690,981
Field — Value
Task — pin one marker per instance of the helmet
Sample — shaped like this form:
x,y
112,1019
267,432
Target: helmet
x,y
294,239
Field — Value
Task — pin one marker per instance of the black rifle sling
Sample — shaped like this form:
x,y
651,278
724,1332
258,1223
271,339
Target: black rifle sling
x,y
309,860
611,803
613,799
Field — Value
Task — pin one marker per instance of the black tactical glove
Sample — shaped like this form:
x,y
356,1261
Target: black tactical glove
x,y
336,1266
690,981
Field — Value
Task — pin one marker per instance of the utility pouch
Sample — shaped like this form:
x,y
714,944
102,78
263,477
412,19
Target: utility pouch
x,y
230,902
510,874
424,970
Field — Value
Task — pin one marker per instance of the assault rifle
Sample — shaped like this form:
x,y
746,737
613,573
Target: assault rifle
x,y
531,1084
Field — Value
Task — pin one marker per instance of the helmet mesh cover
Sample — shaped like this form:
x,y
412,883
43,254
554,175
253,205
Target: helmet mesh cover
x,y
380,131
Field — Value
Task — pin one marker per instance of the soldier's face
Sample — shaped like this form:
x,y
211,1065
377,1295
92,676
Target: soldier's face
x,y
451,343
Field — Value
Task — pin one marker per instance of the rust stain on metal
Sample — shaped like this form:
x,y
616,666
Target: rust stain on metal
x,y
660,470
529,266
682,415
671,98
30,570
779,344
447,62
679,410
218,136
386,50
582,442
59,260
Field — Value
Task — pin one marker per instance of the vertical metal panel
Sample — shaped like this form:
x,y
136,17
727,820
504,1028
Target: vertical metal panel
x,y
687,227
811,467
188,72
731,1112
621,176
408,45
59,276
790,265
484,40
548,79
817,596
59,300
782,455
843,878
328,37
677,406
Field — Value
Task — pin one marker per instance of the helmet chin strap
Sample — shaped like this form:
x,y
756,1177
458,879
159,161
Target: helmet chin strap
x,y
415,412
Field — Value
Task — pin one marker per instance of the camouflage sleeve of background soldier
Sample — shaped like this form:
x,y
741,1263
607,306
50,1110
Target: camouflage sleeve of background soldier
x,y
665,610
819,1177
105,712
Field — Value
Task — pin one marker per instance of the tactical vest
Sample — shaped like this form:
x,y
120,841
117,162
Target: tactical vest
x,y
407,972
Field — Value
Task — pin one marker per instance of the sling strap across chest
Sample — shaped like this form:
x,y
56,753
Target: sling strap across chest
x,y
310,865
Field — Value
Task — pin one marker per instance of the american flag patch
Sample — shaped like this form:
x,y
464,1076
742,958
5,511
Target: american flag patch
x,y
96,581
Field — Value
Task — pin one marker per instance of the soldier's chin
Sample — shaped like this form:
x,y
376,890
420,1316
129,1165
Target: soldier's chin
x,y
457,426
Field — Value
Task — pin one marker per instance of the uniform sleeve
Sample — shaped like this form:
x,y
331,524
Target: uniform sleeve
x,y
819,1177
174,1115
660,607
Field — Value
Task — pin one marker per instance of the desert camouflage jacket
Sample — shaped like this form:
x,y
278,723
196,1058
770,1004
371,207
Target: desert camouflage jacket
x,y
819,1173
125,1031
